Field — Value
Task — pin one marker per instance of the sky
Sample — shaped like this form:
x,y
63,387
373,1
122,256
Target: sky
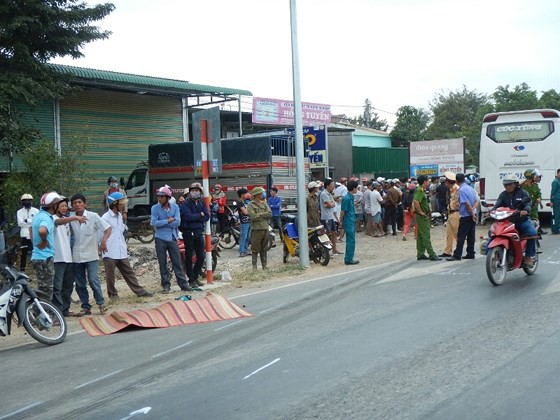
x,y
392,52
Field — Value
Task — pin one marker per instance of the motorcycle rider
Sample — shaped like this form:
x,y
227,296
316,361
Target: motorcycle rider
x,y
517,198
194,214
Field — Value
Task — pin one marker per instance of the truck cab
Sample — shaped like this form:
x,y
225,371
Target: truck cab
x,y
137,190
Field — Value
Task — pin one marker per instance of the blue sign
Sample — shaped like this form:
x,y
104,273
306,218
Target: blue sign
x,y
315,135
428,170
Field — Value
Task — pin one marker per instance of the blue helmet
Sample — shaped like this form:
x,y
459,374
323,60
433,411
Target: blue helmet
x,y
116,196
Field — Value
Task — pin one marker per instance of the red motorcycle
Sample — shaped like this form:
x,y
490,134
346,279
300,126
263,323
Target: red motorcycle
x,y
505,248
215,254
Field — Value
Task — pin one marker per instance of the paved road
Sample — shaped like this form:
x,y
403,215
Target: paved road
x,y
403,340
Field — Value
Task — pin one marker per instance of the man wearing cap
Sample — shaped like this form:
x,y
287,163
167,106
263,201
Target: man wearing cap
x,y
259,213
348,223
219,197
166,218
453,214
468,217
24,218
113,184
312,202
116,256
422,210
42,256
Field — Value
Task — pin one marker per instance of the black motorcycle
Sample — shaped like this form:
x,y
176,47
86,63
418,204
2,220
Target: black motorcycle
x,y
139,227
230,234
20,302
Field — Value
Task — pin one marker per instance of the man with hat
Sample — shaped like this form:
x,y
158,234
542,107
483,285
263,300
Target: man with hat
x,y
116,256
113,184
453,214
194,215
260,214
24,218
422,210
312,201
219,197
42,256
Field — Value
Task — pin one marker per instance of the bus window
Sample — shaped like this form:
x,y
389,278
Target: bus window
x,y
520,131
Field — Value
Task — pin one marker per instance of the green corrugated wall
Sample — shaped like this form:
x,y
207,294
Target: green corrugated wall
x,y
388,162
120,127
41,118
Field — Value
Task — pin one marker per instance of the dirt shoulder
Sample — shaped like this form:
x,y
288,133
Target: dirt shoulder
x,y
369,251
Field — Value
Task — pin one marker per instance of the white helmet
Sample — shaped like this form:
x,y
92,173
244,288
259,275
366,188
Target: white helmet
x,y
510,179
26,197
50,199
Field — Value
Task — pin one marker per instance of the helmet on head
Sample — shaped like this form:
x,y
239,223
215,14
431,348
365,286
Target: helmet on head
x,y
217,187
112,179
529,173
50,199
472,178
26,197
510,179
196,185
116,196
537,173
343,179
164,191
185,191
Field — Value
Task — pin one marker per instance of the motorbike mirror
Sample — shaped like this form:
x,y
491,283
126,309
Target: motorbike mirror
x,y
483,202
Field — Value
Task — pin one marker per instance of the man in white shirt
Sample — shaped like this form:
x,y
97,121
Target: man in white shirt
x,y
375,206
117,253
63,284
85,253
25,216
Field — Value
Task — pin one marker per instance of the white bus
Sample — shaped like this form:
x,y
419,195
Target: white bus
x,y
512,142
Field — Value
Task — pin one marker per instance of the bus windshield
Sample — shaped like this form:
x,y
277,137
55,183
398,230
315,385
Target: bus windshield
x,y
520,131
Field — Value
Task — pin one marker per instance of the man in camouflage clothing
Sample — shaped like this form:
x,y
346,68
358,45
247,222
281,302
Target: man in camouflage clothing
x,y
42,256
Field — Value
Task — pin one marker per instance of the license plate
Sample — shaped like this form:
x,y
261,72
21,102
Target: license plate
x,y
324,238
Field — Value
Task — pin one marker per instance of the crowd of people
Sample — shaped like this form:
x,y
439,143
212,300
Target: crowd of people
x,y
66,240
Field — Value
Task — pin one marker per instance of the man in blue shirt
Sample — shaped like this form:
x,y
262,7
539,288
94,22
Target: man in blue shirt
x,y
468,204
42,256
275,204
348,222
166,220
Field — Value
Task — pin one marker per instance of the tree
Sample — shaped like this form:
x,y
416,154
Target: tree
x,y
550,99
47,170
410,125
31,33
370,118
459,114
520,98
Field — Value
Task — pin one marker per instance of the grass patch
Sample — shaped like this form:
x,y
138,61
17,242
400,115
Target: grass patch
x,y
255,276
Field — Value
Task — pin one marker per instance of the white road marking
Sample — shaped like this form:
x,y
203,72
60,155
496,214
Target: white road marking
x,y
144,410
312,280
170,350
271,309
553,287
5,416
98,379
229,325
308,293
261,368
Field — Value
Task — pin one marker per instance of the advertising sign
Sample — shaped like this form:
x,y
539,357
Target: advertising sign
x,y
317,138
443,155
280,112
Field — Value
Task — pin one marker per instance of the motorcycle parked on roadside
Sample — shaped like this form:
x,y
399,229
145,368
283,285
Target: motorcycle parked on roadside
x,y
215,245
139,227
319,243
20,302
229,236
505,247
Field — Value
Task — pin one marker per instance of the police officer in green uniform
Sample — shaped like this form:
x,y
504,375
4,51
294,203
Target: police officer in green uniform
x,y
422,210
531,185
260,214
